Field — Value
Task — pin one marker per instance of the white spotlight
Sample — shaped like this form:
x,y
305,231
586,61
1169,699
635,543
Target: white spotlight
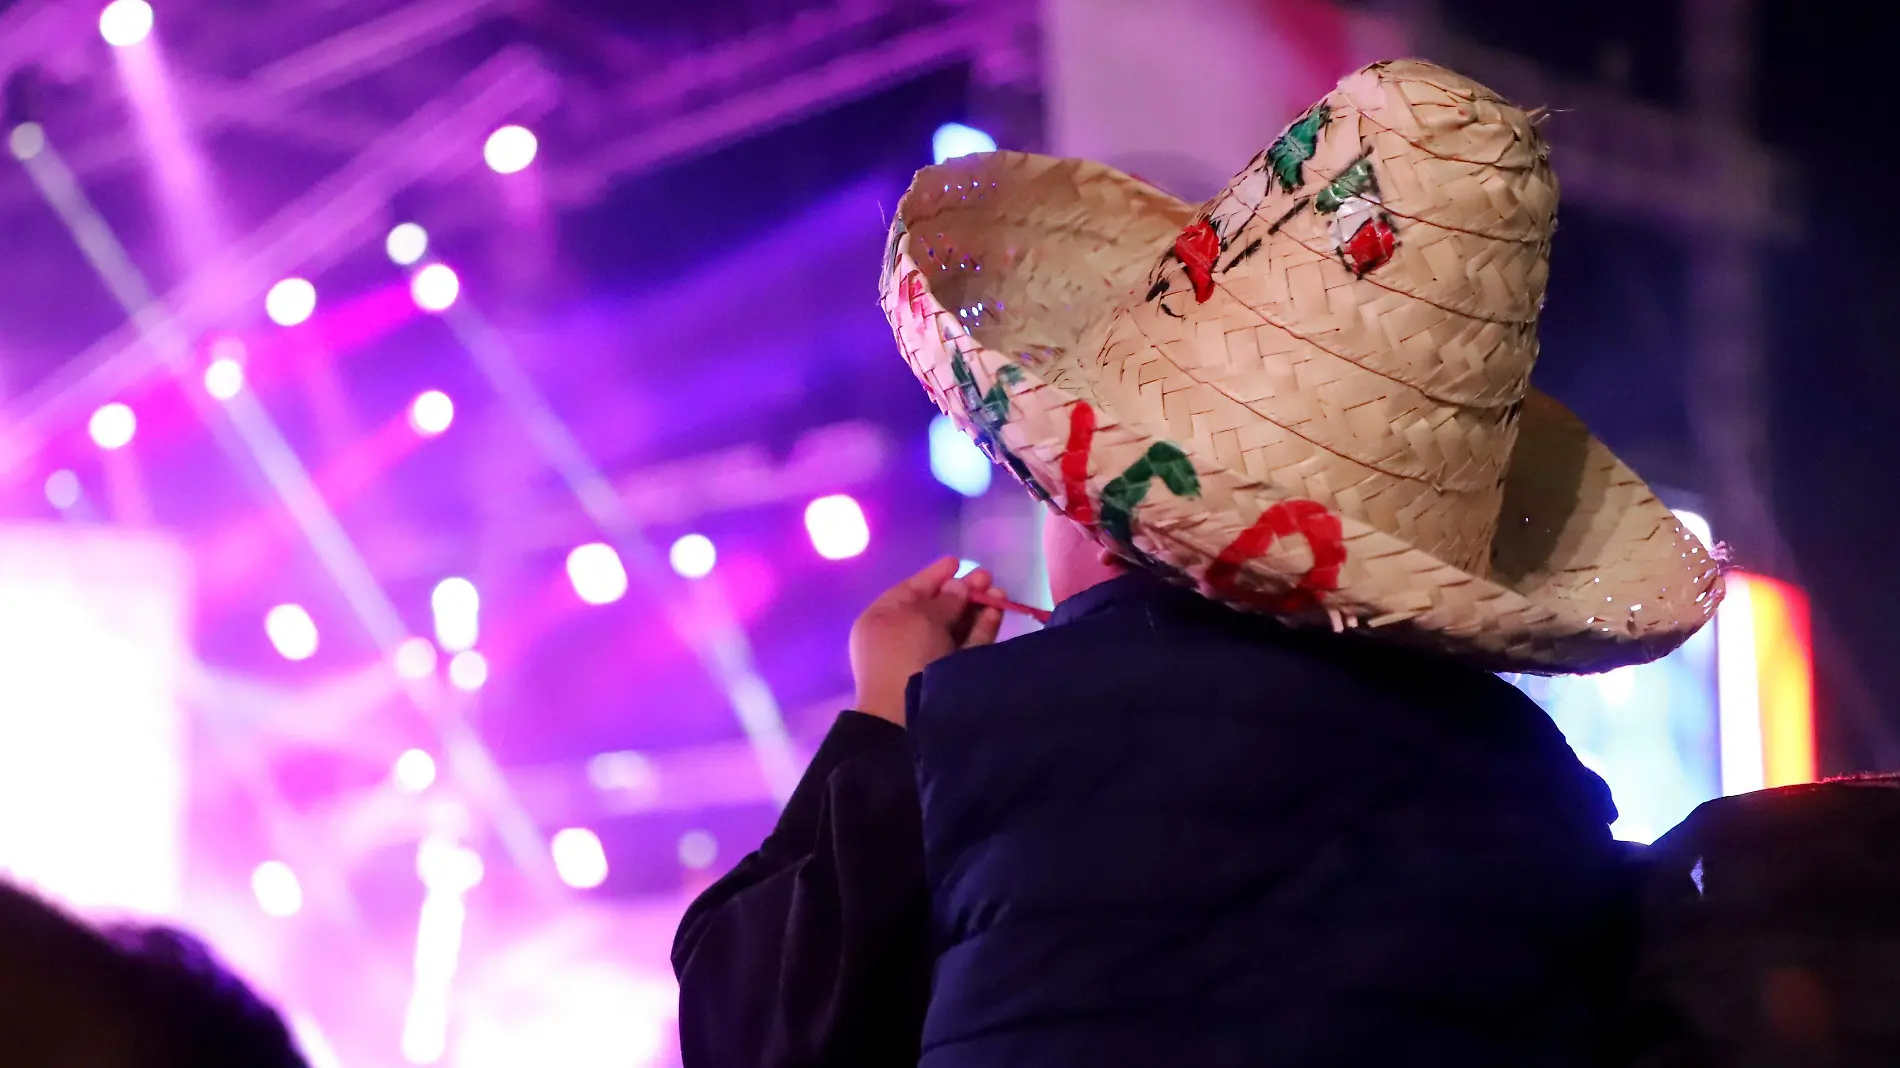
x,y
415,658
26,141
407,243
431,413
956,461
278,892
290,302
954,139
1698,526
510,149
291,631
578,858
125,23
62,489
597,573
837,527
224,378
698,849
457,609
693,556
415,771
435,287
112,426
468,670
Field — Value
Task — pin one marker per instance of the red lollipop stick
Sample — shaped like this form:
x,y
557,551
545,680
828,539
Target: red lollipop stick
x,y
990,600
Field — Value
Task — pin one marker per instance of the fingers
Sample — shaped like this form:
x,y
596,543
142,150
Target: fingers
x,y
924,583
985,624
933,575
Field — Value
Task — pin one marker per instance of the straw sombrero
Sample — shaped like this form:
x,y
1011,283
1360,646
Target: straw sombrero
x,y
1309,396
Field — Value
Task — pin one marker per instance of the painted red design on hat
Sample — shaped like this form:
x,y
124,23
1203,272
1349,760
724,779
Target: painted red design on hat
x,y
1198,247
1075,463
1371,246
914,295
1324,537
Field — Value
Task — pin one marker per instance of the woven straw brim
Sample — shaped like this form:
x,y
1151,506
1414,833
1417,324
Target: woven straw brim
x,y
1002,273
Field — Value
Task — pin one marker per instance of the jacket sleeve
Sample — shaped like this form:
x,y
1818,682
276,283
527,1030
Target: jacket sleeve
x,y
812,950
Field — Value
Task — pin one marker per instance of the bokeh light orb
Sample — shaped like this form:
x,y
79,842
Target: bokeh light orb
x,y
953,140
414,771
693,556
415,658
406,244
837,527
431,413
435,287
278,892
446,867
698,849
62,489
510,149
26,141
597,573
291,631
578,858
125,23
291,302
224,379
468,670
112,426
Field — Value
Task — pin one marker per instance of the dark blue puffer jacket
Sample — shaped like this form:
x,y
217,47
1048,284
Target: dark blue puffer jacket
x,y
1160,833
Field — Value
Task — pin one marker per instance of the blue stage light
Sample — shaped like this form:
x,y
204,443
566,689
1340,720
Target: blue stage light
x,y
956,461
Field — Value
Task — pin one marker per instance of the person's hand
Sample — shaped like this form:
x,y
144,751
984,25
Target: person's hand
x,y
924,618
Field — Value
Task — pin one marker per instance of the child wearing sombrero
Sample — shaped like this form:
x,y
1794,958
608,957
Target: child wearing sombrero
x,y
1254,796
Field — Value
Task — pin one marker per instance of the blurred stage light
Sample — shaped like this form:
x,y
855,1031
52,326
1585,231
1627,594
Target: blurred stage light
x,y
468,670
224,379
291,631
448,872
510,149
578,858
447,868
226,347
597,573
435,287
26,141
415,771
622,771
112,426
290,302
415,658
698,850
457,609
431,413
406,244
278,892
693,556
125,23
954,139
956,461
62,489
1698,526
837,528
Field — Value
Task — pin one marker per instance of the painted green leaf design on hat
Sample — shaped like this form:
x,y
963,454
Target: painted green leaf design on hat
x,y
1355,181
1163,460
989,410
1290,151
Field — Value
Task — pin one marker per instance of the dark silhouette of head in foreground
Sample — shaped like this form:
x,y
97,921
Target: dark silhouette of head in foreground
x,y
72,996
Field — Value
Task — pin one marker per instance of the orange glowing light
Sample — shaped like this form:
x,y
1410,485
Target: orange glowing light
x,y
1785,680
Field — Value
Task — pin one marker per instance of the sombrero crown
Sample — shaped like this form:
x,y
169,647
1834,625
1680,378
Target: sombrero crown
x,y
1311,395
